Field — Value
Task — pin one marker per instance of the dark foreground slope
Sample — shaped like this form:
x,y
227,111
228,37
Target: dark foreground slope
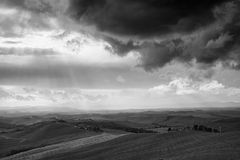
x,y
63,147
186,145
23,138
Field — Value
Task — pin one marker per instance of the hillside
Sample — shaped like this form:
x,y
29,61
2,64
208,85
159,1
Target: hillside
x,y
174,146
48,136
40,134
37,135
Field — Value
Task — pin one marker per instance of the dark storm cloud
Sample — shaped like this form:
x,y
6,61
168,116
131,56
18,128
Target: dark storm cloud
x,y
209,30
130,17
162,31
154,55
144,18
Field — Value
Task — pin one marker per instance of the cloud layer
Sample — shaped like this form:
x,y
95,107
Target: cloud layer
x,y
51,49
185,86
180,92
163,31
144,18
160,31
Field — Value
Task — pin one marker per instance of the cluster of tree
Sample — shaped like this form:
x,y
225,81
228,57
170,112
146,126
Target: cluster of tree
x,y
113,125
85,126
137,130
175,129
156,125
91,128
98,126
61,121
204,128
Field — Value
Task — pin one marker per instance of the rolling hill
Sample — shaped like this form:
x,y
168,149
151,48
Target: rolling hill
x,y
175,146
46,137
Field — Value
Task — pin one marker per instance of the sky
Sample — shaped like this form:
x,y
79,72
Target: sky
x,y
74,55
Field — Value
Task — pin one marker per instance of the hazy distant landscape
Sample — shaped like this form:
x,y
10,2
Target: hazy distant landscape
x,y
141,135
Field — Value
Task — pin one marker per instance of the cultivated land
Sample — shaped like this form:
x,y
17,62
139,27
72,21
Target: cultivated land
x,y
63,147
156,135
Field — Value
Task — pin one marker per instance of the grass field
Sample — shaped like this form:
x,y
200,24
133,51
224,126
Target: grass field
x,y
122,136
60,148
174,146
